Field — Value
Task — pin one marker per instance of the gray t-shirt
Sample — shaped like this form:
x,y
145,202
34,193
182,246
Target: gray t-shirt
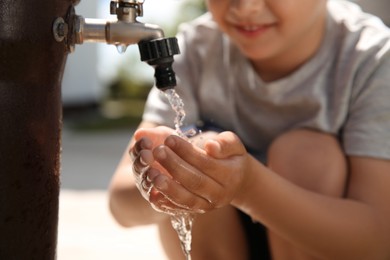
x,y
343,90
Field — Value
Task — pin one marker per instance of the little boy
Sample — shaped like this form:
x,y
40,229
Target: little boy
x,y
300,90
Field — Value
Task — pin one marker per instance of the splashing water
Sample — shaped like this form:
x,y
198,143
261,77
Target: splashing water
x,y
182,221
177,106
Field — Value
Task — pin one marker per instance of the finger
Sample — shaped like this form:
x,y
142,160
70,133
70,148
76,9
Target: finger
x,y
161,203
225,145
145,188
190,153
156,134
221,170
180,196
193,156
142,163
141,144
187,175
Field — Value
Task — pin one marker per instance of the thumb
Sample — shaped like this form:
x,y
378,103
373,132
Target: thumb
x,y
224,145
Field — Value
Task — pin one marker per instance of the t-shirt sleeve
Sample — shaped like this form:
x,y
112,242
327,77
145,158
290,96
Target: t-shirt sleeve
x,y
367,129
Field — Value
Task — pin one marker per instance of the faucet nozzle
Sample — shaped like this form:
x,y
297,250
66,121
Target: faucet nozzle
x,y
159,54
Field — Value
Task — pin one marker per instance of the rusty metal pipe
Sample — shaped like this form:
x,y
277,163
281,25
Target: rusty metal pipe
x,y
31,68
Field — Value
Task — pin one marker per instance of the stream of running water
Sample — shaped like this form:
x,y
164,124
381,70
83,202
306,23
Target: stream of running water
x,y
182,221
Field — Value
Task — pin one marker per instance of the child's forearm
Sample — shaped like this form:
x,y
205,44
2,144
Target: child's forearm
x,y
327,227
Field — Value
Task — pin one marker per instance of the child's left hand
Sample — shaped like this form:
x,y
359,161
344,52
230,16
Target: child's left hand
x,y
200,179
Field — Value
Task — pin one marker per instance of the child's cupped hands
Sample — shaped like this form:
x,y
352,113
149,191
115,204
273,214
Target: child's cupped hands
x,y
173,174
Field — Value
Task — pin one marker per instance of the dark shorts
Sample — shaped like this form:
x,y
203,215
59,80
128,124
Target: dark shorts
x,y
257,238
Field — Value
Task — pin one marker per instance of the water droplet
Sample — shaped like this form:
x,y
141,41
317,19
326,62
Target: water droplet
x,y
121,48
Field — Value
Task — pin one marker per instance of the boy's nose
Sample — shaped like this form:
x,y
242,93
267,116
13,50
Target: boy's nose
x,y
244,7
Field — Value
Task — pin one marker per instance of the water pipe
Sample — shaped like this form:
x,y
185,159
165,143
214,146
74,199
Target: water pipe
x,y
31,68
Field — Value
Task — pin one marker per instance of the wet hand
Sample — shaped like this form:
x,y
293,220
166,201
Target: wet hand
x,y
200,179
145,167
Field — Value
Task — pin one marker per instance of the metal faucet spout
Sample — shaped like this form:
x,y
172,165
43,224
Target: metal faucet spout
x,y
130,34
118,32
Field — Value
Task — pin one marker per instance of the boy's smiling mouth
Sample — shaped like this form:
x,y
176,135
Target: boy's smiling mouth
x,y
250,28
253,30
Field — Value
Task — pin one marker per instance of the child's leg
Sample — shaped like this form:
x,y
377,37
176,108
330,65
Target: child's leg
x,y
311,160
216,235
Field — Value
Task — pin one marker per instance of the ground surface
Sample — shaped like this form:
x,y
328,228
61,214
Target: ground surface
x,y
86,229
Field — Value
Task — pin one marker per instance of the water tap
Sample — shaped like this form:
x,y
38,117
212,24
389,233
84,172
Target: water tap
x,y
154,48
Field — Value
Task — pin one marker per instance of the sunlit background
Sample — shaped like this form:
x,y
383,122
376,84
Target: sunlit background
x,y
103,96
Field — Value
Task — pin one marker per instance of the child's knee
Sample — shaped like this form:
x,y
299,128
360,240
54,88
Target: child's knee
x,y
310,159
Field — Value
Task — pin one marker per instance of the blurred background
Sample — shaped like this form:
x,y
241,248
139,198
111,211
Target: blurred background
x,y
103,98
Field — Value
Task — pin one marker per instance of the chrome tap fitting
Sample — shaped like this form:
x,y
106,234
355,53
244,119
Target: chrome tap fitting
x,y
127,10
126,30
